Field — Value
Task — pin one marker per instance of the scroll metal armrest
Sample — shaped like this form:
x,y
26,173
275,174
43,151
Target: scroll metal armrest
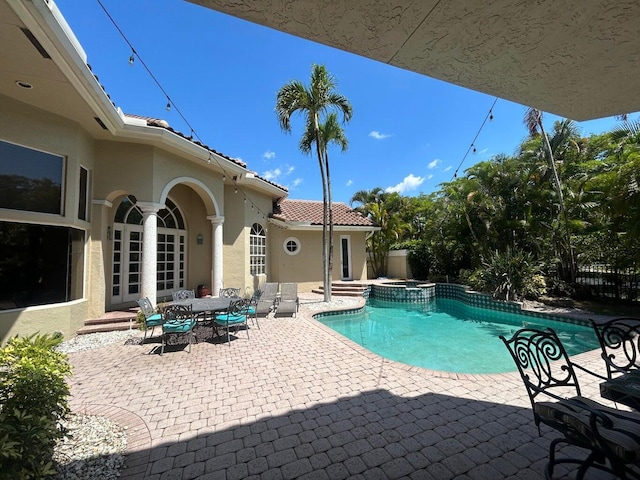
x,y
586,370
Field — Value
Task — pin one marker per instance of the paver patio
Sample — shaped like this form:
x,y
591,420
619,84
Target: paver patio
x,y
298,400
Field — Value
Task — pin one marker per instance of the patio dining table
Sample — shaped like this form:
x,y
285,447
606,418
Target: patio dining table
x,y
205,305
206,308
624,389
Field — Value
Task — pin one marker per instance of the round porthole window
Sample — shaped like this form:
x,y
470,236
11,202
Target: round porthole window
x,y
292,246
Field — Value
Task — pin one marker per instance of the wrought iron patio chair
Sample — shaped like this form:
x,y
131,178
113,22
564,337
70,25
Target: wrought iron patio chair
x,y
235,317
177,320
229,292
152,318
183,294
620,343
610,436
289,302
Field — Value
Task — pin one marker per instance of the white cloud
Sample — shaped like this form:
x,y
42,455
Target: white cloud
x,y
349,183
379,136
430,176
275,174
448,168
272,175
269,155
297,182
410,182
434,164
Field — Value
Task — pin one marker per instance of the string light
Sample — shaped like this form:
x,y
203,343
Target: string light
x,y
489,117
170,104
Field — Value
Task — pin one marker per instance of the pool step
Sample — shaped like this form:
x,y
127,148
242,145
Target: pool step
x,y
344,289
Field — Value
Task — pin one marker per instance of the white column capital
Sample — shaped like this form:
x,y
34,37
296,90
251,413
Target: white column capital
x,y
150,207
216,219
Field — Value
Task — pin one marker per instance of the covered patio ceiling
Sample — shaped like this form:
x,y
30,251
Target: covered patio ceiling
x,y
579,59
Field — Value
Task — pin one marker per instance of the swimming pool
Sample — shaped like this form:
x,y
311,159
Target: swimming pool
x,y
447,335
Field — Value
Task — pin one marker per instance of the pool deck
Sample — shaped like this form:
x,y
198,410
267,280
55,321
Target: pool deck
x,y
298,400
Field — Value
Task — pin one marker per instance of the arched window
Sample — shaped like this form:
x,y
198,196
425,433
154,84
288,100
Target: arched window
x,y
257,249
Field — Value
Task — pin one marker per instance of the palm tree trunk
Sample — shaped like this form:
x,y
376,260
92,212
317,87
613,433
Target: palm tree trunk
x,y
330,208
325,251
563,208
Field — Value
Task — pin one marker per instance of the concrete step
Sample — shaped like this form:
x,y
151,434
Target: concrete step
x,y
344,289
109,322
107,327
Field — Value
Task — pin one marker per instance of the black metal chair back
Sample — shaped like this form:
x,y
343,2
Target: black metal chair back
x,y
229,292
239,306
176,313
620,343
544,366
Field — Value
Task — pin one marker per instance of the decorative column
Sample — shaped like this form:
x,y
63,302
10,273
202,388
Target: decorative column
x,y
149,249
216,254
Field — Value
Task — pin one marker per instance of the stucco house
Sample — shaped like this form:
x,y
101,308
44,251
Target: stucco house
x,y
99,208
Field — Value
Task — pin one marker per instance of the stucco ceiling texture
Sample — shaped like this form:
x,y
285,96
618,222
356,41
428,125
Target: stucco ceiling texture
x,y
579,59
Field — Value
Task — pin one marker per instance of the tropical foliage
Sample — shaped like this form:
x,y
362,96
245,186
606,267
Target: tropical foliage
x,y
33,402
561,203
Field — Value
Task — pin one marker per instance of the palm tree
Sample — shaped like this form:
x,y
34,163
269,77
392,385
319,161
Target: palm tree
x,y
533,122
314,103
384,209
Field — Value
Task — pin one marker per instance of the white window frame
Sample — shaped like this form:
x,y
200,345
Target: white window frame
x,y
286,249
257,250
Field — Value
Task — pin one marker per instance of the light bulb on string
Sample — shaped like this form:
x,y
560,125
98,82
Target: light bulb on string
x,y
491,115
168,107
235,190
131,59
224,178
474,148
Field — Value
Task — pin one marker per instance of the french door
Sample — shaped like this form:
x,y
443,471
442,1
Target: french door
x,y
345,258
127,262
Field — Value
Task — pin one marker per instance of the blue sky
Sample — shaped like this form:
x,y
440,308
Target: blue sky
x,y
408,133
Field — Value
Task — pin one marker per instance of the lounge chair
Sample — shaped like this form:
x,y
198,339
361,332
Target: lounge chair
x,y
267,299
289,301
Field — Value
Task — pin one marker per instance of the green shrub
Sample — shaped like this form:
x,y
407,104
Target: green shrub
x,y
510,275
33,401
420,260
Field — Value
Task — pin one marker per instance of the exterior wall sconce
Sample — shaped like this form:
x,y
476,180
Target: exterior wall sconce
x,y
109,233
199,239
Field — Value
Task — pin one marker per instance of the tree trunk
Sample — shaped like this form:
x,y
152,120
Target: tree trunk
x,y
563,209
330,208
319,150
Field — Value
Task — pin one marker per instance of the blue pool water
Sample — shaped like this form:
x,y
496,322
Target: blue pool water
x,y
447,335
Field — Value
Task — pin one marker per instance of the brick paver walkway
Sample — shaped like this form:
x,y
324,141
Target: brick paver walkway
x,y
297,400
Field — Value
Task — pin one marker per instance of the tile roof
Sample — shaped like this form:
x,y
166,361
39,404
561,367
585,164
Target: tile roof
x,y
310,211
